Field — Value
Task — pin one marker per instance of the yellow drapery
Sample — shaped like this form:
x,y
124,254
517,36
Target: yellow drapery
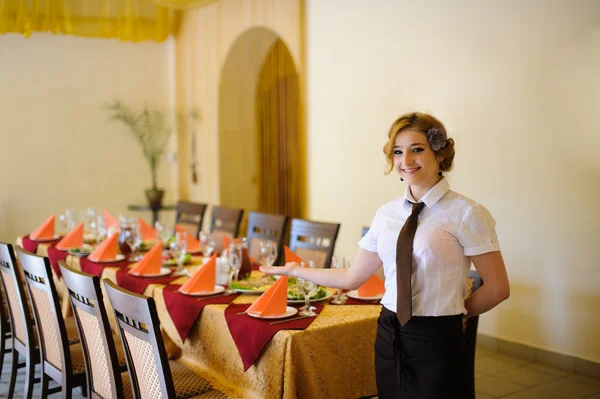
x,y
183,4
277,105
127,20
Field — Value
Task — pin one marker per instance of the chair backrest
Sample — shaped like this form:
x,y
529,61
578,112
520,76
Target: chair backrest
x,y
143,345
314,241
226,220
18,305
266,226
190,216
101,361
52,333
364,231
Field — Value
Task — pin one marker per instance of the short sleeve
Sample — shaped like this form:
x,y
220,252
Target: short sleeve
x,y
477,233
369,240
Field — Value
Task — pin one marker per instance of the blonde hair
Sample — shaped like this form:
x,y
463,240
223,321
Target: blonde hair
x,y
422,123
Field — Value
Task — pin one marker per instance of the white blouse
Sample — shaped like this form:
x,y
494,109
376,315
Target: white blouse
x,y
451,229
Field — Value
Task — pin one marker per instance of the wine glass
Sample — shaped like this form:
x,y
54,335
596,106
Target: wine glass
x,y
267,252
339,298
234,258
308,288
133,241
207,245
178,250
67,219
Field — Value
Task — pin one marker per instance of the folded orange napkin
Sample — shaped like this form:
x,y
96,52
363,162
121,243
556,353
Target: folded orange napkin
x,y
290,256
372,287
146,231
46,230
204,279
107,250
193,244
72,240
151,263
109,220
273,302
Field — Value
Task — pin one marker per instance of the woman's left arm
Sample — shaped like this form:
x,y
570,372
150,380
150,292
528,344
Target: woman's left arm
x,y
495,289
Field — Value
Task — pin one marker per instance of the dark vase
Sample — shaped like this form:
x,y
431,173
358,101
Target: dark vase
x,y
155,197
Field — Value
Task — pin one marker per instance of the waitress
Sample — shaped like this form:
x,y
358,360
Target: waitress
x,y
426,240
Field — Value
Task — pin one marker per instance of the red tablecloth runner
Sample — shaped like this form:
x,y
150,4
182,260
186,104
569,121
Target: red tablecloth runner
x,y
31,245
185,310
251,334
139,284
96,268
56,255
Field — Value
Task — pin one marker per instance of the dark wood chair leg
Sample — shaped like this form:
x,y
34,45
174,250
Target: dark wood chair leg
x,y
2,348
13,373
29,378
45,381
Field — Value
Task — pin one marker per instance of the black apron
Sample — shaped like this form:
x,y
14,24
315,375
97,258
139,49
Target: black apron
x,y
428,358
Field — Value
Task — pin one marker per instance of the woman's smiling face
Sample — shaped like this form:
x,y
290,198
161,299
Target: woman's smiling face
x,y
414,160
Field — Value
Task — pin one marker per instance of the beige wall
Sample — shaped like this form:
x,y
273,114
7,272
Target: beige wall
x,y
518,86
58,150
205,41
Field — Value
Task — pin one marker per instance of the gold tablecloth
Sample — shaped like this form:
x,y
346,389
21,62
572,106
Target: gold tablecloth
x,y
332,358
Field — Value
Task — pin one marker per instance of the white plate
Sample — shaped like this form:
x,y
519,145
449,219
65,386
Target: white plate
x,y
79,253
329,295
119,258
252,292
194,251
56,237
354,295
289,311
218,289
164,271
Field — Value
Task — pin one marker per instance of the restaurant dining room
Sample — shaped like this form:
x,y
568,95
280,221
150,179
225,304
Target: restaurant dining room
x,y
300,199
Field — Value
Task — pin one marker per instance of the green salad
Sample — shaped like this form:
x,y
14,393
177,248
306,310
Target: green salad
x,y
173,262
296,294
86,250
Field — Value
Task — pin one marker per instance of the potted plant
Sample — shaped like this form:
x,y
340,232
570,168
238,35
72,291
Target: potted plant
x,y
152,131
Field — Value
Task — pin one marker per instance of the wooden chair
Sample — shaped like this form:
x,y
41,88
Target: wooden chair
x,y
152,374
60,361
24,340
266,226
224,222
104,362
314,241
190,216
5,333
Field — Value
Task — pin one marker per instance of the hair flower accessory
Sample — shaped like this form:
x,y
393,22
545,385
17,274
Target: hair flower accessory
x,y
437,138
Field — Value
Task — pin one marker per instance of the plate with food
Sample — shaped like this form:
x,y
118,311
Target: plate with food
x,y
169,261
253,285
118,258
217,290
46,239
81,251
295,295
164,271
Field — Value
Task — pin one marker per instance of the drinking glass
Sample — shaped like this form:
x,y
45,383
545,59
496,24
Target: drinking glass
x,y
234,258
207,245
67,219
339,298
267,252
308,288
178,250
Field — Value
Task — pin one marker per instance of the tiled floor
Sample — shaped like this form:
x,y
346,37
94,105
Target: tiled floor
x,y
496,376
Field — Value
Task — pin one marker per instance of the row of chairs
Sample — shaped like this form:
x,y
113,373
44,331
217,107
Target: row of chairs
x,y
133,364
308,239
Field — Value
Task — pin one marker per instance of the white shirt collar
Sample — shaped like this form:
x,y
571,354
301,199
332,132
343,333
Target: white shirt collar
x,y
432,196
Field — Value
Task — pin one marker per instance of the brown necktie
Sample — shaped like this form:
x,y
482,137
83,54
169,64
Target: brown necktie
x,y
404,255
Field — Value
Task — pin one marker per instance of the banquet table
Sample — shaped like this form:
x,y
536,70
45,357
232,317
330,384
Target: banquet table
x,y
332,358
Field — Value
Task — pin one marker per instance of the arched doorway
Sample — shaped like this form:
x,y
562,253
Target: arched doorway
x,y
259,156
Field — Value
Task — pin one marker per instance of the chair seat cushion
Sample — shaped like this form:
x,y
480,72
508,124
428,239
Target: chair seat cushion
x,y
187,383
77,361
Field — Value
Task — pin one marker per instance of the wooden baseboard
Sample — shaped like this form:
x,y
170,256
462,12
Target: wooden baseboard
x,y
542,356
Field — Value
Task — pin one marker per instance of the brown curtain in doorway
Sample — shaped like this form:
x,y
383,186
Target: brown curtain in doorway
x,y
278,133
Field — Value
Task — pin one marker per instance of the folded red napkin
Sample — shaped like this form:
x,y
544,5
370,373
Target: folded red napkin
x,y
185,310
290,256
109,220
204,278
146,231
372,287
273,301
55,255
31,245
95,268
250,334
139,284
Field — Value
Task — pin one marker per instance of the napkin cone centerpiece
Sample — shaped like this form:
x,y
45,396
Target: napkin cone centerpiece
x,y
372,287
45,231
151,263
290,256
273,302
146,231
204,279
72,240
106,251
